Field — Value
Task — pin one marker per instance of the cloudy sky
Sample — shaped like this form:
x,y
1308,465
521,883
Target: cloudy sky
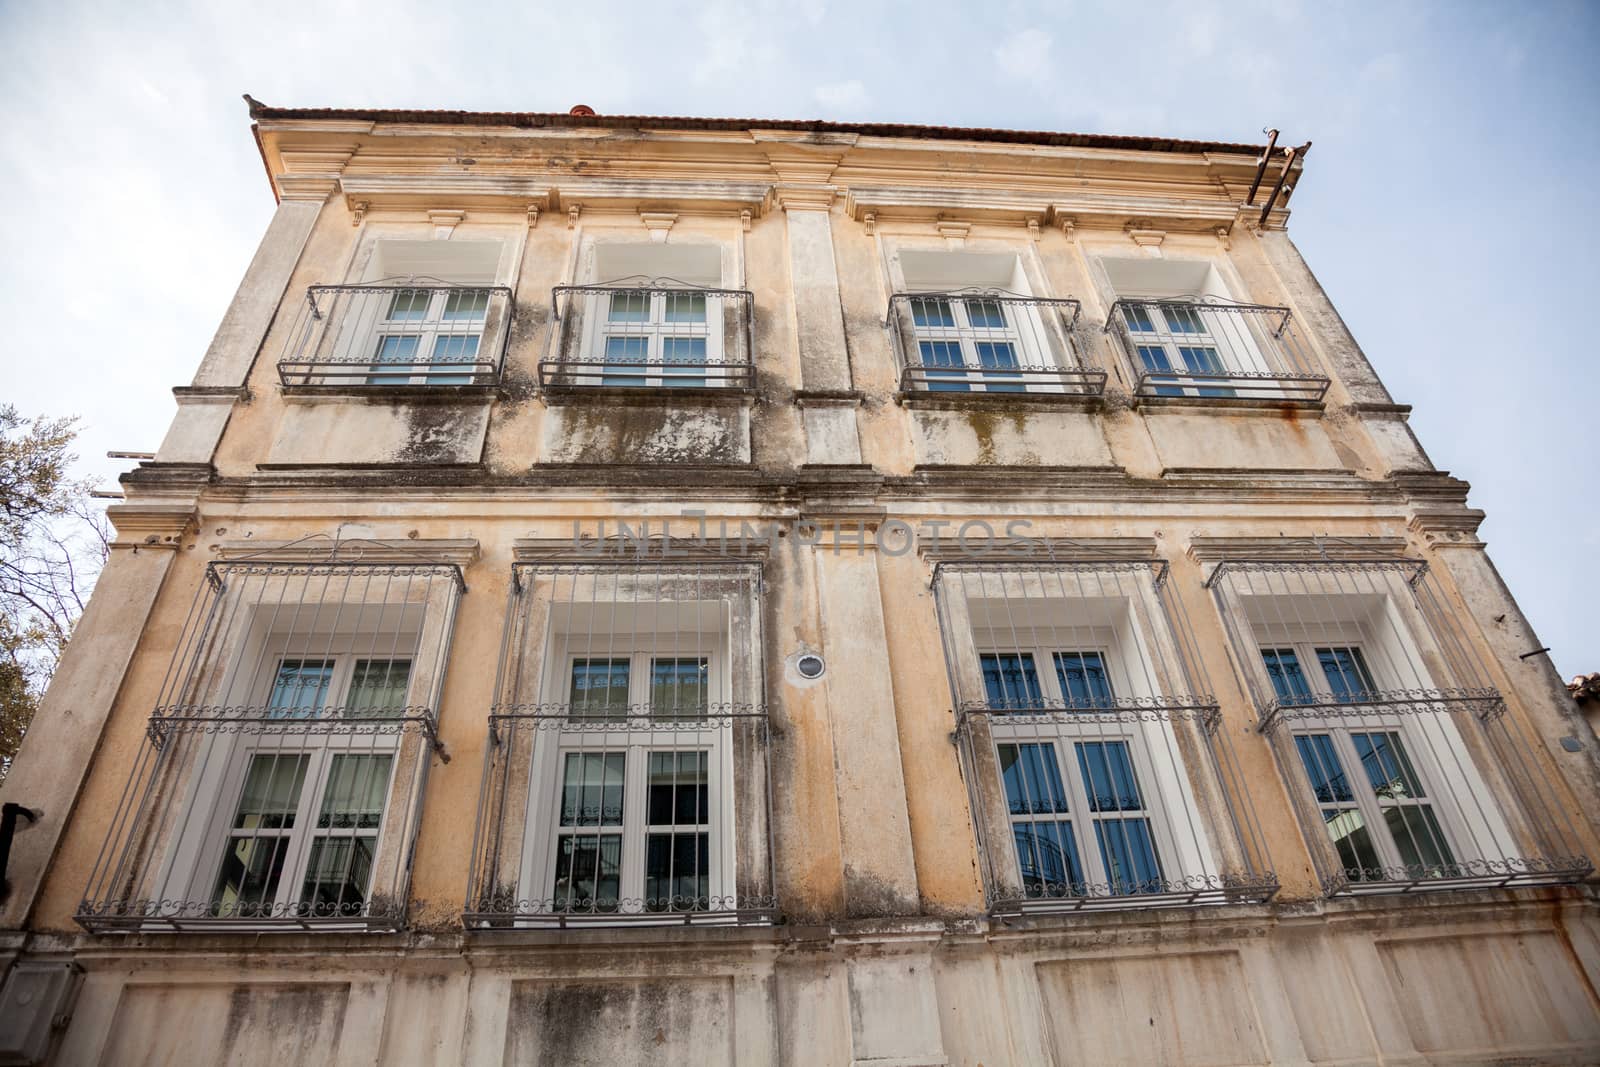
x,y
1448,205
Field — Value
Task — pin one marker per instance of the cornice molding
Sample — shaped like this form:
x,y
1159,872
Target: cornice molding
x,y
426,192
636,196
151,525
943,545
804,197
1311,547
928,203
1448,527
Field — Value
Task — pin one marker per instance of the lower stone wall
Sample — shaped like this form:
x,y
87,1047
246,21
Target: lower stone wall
x,y
1470,978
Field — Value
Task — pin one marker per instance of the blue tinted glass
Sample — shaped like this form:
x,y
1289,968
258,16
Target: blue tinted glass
x,y
1009,680
1182,319
599,685
1346,672
1288,681
932,312
300,688
1201,360
1047,854
1083,679
408,305
1322,766
1154,357
1108,776
393,349
996,355
1383,757
944,354
626,350
1137,317
986,314
1032,778
1129,853
469,304
688,353
629,307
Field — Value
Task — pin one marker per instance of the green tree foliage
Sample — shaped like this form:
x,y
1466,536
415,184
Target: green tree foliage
x,y
52,544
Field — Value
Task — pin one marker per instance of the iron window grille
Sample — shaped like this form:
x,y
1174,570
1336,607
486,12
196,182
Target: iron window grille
x,y
1406,768
415,332
280,781
627,778
650,333
980,340
1213,349
1099,773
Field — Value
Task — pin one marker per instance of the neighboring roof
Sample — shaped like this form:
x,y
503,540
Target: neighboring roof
x,y
537,119
1585,688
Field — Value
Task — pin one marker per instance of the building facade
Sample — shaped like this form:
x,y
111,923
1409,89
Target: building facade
x,y
715,591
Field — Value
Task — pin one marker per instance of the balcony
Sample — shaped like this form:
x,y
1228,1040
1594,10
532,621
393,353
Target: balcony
x,y
626,780
1407,769
1213,350
418,334
986,341
1101,775
280,783
650,334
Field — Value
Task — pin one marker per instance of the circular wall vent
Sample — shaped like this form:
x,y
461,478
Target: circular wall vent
x,y
810,666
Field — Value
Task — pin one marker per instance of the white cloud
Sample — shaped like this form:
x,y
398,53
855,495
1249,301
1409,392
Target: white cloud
x,y
841,96
1025,57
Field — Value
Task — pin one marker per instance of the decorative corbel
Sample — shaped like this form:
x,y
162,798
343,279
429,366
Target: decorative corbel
x,y
1069,227
572,216
954,233
444,223
744,219
533,215
870,221
658,223
1033,229
1149,240
1224,238
359,212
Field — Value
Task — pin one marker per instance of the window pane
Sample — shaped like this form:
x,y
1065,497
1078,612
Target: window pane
x,y
1047,854
1347,674
685,307
1201,360
1322,766
408,305
1182,319
353,799
466,304
677,872
1032,778
455,348
629,307
300,688
1137,316
687,353
1388,767
1108,776
591,793
1083,680
599,689
1421,842
337,875
932,311
396,349
1010,681
271,792
986,314
378,687
248,882
626,350
678,789
1348,829
1129,854
588,873
1288,680
996,357
680,688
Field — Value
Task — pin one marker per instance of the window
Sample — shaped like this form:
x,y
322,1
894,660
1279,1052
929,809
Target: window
x,y
1169,336
967,344
1383,820
285,762
628,764
1406,769
665,333
424,332
1075,722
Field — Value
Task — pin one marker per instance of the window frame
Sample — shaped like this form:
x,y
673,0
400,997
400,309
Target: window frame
x,y
971,376
595,366
430,329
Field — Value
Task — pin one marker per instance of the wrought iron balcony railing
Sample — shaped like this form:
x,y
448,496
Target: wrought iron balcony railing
x,y
989,341
626,780
1407,769
416,333
1100,774
280,783
1213,349
650,333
